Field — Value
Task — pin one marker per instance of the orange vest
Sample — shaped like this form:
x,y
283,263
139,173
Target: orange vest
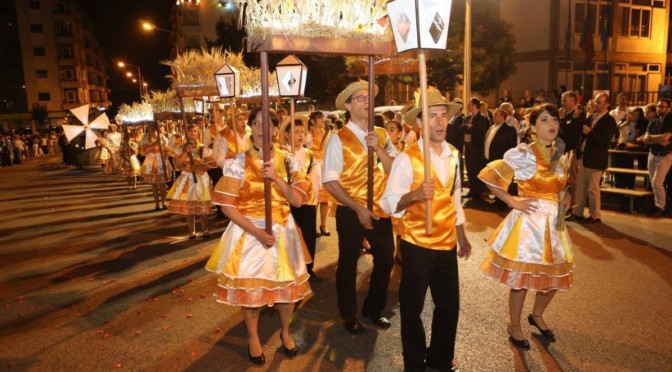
x,y
353,177
443,236
543,184
230,137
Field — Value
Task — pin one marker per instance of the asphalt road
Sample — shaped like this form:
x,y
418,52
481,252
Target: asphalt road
x,y
92,278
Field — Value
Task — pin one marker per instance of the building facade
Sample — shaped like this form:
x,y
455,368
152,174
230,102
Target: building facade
x,y
62,61
630,37
195,21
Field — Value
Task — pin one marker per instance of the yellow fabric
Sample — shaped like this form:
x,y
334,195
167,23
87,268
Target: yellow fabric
x,y
233,262
543,184
354,175
230,137
548,249
284,271
510,248
199,160
319,142
497,173
444,216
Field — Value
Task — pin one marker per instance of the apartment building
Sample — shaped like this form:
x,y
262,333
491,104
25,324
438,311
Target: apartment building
x,y
632,59
61,60
195,20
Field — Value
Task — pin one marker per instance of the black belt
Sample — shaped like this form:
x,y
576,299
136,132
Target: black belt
x,y
662,153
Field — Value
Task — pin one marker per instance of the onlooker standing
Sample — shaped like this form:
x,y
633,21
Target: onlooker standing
x,y
499,139
660,153
113,144
456,130
474,139
506,97
19,149
620,114
593,154
570,132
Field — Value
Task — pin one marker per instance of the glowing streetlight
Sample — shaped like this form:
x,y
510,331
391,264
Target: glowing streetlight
x,y
129,74
147,26
138,79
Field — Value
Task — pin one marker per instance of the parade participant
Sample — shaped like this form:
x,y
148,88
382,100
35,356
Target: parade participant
x,y
255,268
190,194
531,250
305,216
429,260
345,178
103,153
316,140
156,169
130,165
395,131
113,144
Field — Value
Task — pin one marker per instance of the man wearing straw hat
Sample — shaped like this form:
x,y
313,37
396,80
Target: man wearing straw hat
x,y
429,260
345,178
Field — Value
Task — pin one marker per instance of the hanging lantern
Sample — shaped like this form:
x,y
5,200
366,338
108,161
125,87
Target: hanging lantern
x,y
228,81
419,24
291,73
199,105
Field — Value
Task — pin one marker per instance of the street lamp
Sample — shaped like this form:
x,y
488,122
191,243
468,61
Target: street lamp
x,y
151,27
122,64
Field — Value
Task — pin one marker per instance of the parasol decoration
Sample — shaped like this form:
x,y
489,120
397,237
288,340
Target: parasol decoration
x,y
82,114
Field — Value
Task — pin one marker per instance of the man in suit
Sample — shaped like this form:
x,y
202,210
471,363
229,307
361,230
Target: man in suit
x,y
570,132
658,135
498,140
474,140
593,156
456,130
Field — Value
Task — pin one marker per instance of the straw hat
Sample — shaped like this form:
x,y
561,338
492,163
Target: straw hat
x,y
285,122
434,98
350,90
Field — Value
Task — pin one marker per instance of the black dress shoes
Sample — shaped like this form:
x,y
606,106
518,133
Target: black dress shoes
x,y
379,321
314,278
591,220
258,360
521,344
353,326
573,217
290,353
545,332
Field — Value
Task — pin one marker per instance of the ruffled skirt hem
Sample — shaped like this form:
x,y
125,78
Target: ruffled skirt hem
x,y
153,178
190,207
278,293
522,275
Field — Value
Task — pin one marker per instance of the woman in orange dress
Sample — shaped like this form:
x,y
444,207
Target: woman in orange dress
x,y
531,249
318,135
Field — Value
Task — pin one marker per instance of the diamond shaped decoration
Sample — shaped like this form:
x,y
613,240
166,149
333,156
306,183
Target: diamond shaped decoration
x,y
288,80
403,26
437,27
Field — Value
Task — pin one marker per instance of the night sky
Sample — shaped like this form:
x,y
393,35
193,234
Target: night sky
x,y
117,27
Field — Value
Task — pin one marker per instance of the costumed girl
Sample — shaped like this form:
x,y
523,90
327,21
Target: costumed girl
x,y
156,170
531,249
316,140
190,195
130,165
103,153
255,268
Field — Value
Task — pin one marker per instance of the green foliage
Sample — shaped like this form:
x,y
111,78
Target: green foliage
x,y
491,50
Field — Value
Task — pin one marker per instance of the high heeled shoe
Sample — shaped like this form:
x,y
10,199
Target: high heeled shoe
x,y
544,332
290,353
258,360
324,231
521,344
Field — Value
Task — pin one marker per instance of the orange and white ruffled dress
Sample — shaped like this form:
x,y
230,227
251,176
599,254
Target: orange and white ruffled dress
x,y
528,251
192,190
249,274
152,168
130,165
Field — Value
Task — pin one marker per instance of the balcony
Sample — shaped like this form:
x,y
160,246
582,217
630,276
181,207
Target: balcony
x,y
67,61
64,17
70,84
66,39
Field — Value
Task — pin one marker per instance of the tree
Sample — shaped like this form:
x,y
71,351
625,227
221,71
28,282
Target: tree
x,y
491,50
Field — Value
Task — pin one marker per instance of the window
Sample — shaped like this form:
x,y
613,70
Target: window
x,y
68,74
635,22
62,6
33,4
41,74
64,29
65,51
36,28
599,10
39,51
70,95
44,97
650,3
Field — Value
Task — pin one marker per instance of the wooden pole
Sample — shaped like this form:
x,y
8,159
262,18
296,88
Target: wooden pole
x,y
291,123
422,64
369,167
266,139
467,53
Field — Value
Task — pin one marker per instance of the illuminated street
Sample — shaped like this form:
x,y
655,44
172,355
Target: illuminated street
x,y
94,279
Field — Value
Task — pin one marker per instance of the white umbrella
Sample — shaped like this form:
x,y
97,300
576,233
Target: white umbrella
x,y
82,114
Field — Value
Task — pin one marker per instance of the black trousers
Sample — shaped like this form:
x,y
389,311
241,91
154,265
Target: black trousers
x,y
474,164
305,218
422,268
351,233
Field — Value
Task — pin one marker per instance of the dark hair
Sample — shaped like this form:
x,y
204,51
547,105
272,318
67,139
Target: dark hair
x,y
651,107
379,120
271,114
666,100
297,123
534,115
339,123
475,101
569,94
398,124
314,116
389,115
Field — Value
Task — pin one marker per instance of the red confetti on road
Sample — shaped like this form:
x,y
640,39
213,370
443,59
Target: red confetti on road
x,y
117,366
190,315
